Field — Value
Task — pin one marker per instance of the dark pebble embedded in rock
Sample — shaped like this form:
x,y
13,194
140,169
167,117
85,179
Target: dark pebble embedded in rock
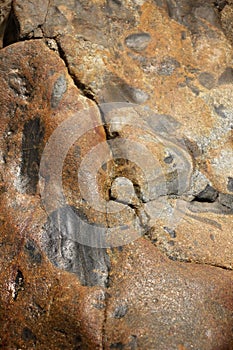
x,y
138,41
59,89
207,80
230,184
212,237
169,159
226,77
220,110
27,335
209,194
120,311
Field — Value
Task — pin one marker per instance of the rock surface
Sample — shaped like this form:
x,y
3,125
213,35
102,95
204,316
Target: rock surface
x,y
148,264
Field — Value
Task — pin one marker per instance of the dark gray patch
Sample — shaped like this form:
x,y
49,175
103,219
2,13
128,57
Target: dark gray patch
x,y
183,35
78,343
226,77
212,237
120,311
169,159
170,231
207,80
171,243
172,183
173,258
230,184
138,41
220,110
223,205
32,145
91,265
104,166
27,335
161,3
19,283
226,200
116,2
192,14
209,194
168,66
207,12
118,346
59,89
33,252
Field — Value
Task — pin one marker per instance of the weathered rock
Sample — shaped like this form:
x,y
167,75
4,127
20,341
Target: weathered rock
x,y
155,303
78,177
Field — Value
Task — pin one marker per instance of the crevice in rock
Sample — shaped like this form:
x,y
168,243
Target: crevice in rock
x,y
220,4
176,258
107,297
210,200
210,264
12,29
208,195
86,91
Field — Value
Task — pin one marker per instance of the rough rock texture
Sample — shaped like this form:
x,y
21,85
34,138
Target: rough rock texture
x,y
169,181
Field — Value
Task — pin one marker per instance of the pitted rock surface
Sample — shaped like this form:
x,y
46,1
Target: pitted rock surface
x,y
171,286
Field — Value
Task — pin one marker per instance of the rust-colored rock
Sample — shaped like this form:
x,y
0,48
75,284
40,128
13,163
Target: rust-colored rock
x,y
155,303
75,271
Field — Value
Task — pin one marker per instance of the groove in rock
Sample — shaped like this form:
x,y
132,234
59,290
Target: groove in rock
x,y
86,91
12,29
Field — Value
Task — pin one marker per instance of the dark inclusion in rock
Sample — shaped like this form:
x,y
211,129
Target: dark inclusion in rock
x,y
90,264
27,335
32,144
59,89
207,80
120,311
221,111
230,184
19,283
226,77
138,41
209,194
